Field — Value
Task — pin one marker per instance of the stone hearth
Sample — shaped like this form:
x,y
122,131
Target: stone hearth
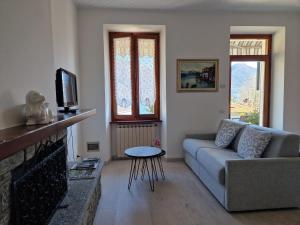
x,y
80,203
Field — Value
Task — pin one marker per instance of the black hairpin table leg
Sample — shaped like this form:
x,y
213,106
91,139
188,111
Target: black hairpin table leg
x,y
151,180
154,168
161,167
143,170
137,169
132,172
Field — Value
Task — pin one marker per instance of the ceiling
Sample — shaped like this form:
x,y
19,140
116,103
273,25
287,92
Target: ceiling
x,y
226,5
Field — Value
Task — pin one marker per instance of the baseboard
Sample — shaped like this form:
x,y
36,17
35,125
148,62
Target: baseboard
x,y
119,158
173,159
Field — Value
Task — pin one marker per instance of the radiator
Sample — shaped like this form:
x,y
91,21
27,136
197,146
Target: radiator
x,y
124,136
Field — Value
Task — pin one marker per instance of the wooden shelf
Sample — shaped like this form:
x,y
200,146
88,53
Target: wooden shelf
x,y
15,139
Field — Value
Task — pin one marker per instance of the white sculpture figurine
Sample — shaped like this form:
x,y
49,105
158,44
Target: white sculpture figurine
x,y
36,110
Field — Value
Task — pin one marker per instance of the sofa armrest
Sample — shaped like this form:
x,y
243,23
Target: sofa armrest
x,y
262,183
208,136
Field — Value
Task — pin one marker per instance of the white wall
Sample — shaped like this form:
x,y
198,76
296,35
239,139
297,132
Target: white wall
x,y
26,58
277,81
188,35
64,30
37,37
65,53
292,75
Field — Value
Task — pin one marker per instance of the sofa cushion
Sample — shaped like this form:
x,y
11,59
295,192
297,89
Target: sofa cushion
x,y
227,131
213,160
235,143
282,144
253,143
192,145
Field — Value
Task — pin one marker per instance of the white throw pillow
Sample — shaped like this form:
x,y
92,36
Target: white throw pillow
x,y
253,143
226,133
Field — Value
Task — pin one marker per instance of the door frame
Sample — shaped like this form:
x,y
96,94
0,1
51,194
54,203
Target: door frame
x,y
267,78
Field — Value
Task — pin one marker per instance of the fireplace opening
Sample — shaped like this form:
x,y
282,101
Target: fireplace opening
x,y
39,185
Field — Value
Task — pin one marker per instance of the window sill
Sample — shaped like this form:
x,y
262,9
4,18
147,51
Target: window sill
x,y
136,122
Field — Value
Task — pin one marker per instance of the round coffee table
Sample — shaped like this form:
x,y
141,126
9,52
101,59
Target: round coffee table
x,y
144,153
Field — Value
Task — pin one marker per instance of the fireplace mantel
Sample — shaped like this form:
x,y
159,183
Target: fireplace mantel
x,y
15,139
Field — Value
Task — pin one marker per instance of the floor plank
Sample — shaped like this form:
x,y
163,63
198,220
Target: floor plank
x,y
179,200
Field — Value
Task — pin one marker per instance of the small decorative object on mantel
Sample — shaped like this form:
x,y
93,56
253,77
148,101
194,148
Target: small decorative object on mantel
x,y
37,110
197,75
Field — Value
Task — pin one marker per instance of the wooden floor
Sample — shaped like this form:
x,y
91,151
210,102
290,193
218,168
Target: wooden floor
x,y
180,200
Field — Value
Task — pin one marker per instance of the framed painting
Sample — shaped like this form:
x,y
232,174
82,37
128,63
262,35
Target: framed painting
x,y
197,75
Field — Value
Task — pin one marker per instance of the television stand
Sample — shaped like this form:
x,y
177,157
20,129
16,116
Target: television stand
x,y
68,110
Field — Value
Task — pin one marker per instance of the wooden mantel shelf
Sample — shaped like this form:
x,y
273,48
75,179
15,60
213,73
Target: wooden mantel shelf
x,y
15,139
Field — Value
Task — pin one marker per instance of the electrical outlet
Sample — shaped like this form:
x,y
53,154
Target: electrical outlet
x,y
93,146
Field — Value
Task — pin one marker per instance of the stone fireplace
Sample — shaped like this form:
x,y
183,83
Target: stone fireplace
x,y
33,182
34,189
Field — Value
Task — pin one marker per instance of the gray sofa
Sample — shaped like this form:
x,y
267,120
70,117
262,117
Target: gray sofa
x,y
272,181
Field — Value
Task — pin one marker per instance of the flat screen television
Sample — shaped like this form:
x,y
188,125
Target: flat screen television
x,y
66,90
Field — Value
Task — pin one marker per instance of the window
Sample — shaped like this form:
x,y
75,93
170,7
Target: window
x,y
250,63
134,66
